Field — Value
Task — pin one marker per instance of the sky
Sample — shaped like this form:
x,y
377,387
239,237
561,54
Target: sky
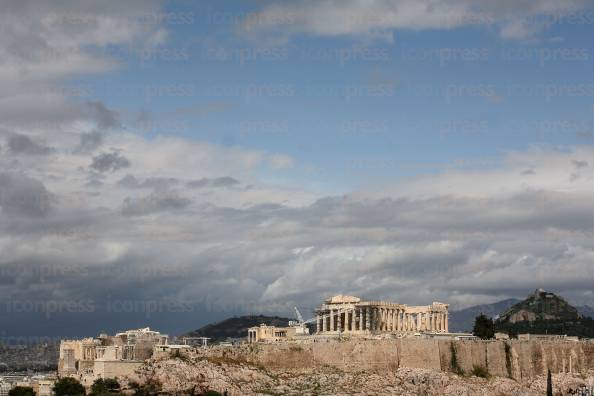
x,y
174,163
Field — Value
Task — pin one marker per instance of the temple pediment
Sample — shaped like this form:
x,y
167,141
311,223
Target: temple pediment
x,y
341,299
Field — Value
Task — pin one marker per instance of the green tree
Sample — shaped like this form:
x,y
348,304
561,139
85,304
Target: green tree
x,y
483,327
21,391
105,386
68,387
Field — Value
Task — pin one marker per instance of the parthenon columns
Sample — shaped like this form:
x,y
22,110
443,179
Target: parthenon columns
x,y
350,314
360,318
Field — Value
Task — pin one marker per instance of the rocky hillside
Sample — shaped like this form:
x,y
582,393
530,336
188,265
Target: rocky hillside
x,y
545,313
198,375
236,327
541,305
463,319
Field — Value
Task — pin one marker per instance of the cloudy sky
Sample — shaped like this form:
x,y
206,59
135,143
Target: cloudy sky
x,y
175,163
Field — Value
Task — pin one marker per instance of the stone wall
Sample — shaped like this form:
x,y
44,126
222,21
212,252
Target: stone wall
x,y
114,368
515,359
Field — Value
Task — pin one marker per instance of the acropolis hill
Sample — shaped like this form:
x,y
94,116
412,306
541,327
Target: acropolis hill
x,y
358,347
360,366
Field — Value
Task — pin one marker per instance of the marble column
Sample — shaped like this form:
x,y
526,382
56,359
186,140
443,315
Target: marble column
x,y
405,322
317,323
339,320
350,320
367,318
360,318
347,320
378,319
331,320
395,320
378,323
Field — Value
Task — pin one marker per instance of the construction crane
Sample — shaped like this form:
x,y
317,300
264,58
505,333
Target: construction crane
x,y
299,324
299,316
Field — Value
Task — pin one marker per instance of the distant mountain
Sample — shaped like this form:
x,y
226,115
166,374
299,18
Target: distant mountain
x,y
586,311
545,313
236,327
463,320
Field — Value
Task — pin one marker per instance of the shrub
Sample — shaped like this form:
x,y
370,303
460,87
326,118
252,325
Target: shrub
x,y
479,371
21,391
105,387
508,359
68,387
454,360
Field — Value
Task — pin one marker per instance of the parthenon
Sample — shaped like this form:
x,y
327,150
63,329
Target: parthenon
x,y
348,314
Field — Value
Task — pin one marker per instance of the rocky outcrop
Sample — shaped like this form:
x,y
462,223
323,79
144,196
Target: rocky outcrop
x,y
198,374
540,305
407,366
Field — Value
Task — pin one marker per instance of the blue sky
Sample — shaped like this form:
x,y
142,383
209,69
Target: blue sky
x,y
355,108
190,161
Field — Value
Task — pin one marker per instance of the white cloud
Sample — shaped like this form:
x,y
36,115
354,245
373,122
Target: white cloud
x,y
43,44
374,18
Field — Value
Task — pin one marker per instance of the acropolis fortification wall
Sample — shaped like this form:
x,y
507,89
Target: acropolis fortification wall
x,y
515,359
